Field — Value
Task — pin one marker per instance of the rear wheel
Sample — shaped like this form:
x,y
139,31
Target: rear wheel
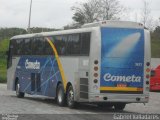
x,y
70,97
18,93
60,95
119,106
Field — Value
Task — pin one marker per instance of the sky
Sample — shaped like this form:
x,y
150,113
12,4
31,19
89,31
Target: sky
x,y
58,13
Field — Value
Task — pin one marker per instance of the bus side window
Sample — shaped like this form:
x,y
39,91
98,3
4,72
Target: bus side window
x,y
38,45
60,44
13,47
85,43
27,47
73,44
20,46
48,49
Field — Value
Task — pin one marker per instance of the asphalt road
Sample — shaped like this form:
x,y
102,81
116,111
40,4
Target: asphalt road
x,y
45,108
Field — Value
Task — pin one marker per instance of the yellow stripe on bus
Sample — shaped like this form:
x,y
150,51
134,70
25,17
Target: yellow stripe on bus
x,y
121,88
59,63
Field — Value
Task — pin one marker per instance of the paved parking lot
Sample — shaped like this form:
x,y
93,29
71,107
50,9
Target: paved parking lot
x,y
10,104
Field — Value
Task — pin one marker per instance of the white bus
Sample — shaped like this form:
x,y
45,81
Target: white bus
x,y
105,63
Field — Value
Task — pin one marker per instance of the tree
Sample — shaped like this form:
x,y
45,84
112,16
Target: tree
x,y
145,12
10,32
110,9
147,20
155,34
86,12
96,10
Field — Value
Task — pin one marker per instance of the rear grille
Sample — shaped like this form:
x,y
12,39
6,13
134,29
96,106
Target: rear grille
x,y
84,88
84,81
83,95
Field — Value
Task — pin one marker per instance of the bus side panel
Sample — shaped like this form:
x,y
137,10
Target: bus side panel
x,y
11,73
38,75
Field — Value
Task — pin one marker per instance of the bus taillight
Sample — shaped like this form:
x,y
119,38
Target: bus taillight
x,y
95,81
147,70
147,76
95,74
96,62
96,68
148,63
147,82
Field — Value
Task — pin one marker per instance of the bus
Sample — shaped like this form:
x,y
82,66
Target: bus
x,y
105,63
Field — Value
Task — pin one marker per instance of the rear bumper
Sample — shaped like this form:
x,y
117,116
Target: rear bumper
x,y
127,98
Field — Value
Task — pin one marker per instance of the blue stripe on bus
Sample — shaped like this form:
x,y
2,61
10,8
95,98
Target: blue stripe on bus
x,y
49,74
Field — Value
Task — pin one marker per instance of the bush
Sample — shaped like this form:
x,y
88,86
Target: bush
x,y
3,62
155,48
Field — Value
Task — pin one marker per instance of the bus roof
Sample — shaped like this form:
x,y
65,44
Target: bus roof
x,y
109,23
86,28
53,33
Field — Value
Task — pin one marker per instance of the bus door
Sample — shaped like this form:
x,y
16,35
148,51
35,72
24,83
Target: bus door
x,y
35,82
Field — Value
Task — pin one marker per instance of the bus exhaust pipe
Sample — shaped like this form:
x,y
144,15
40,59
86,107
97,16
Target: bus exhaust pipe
x,y
105,98
138,99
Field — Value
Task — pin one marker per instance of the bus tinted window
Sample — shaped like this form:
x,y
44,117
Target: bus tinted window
x,y
12,47
85,43
20,46
66,45
60,43
73,44
47,49
38,46
27,47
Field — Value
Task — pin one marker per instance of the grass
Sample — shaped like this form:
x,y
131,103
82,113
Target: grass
x,y
3,70
3,62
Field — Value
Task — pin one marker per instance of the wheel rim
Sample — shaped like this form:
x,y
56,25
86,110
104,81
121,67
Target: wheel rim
x,y
60,96
17,89
70,96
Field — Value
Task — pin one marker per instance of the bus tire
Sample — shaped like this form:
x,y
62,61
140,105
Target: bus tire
x,y
60,95
119,106
70,97
18,93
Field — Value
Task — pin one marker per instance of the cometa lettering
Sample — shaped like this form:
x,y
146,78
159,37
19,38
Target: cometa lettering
x,y
32,65
108,77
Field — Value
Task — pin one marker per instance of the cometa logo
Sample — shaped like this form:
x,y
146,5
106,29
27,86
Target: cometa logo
x,y
32,65
108,77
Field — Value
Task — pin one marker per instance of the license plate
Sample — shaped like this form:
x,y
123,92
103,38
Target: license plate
x,y
121,85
